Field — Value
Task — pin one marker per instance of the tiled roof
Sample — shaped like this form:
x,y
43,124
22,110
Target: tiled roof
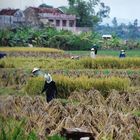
x,y
8,12
47,10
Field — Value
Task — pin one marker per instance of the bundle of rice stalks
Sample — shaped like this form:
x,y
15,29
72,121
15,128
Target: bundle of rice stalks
x,y
92,97
124,102
120,127
105,118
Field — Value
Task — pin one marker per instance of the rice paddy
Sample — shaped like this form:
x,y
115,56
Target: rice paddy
x,y
101,96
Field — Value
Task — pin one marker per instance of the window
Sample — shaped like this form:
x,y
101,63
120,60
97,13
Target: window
x,y
71,23
57,22
64,23
51,20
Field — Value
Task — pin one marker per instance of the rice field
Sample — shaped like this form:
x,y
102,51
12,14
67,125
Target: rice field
x,y
129,53
101,96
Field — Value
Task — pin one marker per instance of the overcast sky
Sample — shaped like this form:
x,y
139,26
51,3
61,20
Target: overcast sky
x,y
124,9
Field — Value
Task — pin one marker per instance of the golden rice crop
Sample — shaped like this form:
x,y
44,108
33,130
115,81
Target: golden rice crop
x,y
28,49
48,62
110,118
109,63
67,84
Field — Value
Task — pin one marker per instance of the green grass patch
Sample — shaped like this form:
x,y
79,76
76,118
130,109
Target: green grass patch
x,y
129,53
136,113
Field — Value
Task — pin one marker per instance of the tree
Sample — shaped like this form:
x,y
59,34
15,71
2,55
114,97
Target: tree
x,y
114,22
45,6
85,12
71,2
103,11
135,23
133,30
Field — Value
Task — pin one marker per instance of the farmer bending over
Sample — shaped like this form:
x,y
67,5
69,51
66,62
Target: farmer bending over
x,y
49,86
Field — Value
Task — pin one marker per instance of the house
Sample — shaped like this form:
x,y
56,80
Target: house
x,y
50,16
106,36
9,17
32,17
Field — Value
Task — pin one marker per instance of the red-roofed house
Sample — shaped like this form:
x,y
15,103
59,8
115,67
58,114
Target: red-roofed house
x,y
10,17
52,16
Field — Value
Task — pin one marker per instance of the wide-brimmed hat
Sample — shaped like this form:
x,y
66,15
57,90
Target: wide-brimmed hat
x,y
35,69
92,49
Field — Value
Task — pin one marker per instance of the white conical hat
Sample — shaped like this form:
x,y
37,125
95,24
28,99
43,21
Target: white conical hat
x,y
35,69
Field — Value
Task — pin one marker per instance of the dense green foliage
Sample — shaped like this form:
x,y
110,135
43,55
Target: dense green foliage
x,y
66,40
86,12
47,37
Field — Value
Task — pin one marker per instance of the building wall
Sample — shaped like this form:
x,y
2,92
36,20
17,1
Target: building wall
x,y
19,17
60,21
31,17
8,20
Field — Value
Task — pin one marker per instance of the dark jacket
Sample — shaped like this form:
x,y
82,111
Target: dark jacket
x,y
95,48
2,55
51,90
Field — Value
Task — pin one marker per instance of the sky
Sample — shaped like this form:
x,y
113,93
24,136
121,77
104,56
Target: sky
x,y
122,9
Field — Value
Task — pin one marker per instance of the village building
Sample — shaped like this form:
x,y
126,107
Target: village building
x,y
106,37
50,16
38,16
10,17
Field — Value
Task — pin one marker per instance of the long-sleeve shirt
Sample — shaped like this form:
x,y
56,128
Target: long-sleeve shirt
x,y
50,88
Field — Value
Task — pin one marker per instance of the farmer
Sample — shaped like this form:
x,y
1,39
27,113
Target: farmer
x,y
122,54
95,48
49,86
2,55
92,53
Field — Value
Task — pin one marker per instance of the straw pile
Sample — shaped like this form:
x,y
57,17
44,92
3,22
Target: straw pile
x,y
106,118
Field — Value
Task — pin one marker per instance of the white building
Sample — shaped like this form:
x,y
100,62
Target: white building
x,y
107,36
9,17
